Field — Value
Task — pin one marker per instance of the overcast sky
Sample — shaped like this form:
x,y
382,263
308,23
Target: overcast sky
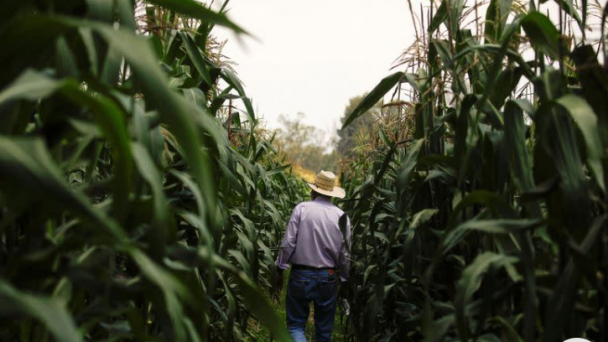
x,y
312,56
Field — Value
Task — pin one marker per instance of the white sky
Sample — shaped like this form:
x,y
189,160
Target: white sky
x,y
312,56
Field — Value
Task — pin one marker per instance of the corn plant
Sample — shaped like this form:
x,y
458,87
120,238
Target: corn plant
x,y
488,223
137,200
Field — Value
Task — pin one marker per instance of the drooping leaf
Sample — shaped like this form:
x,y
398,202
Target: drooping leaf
x,y
543,35
421,217
373,97
586,121
440,16
487,226
470,282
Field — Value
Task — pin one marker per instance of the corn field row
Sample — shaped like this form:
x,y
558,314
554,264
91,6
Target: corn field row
x,y
486,220
140,200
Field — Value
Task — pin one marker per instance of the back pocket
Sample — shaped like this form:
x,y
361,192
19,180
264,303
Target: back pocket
x,y
297,286
328,287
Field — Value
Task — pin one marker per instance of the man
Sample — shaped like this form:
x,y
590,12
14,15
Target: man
x,y
316,248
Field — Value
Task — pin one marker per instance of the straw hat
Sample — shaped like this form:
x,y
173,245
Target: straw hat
x,y
325,185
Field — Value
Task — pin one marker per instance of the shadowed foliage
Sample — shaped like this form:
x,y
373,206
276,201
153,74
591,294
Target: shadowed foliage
x,y
135,203
488,222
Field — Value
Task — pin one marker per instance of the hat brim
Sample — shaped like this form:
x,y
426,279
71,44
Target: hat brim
x,y
337,192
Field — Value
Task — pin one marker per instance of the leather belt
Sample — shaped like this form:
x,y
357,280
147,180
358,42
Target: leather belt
x,y
306,267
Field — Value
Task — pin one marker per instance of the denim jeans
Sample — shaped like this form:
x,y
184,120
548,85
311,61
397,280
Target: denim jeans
x,y
319,287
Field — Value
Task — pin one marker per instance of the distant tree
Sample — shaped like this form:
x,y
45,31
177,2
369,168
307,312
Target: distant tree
x,y
358,129
304,145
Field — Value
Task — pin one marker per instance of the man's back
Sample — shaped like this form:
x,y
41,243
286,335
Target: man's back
x,y
319,236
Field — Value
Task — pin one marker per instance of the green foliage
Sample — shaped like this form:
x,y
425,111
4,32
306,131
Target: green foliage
x,y
133,204
358,130
373,97
137,204
489,222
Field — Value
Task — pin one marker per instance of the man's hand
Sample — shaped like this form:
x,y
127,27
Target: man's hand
x,y
343,298
278,285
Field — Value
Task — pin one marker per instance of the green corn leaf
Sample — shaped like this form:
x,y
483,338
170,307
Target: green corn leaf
x,y
565,294
441,48
31,40
33,86
258,304
231,312
235,83
245,242
402,181
586,121
26,161
88,39
110,71
568,7
494,202
233,179
248,224
260,307
518,153
421,217
195,96
487,226
412,79
511,333
496,17
100,10
150,173
542,33
174,291
192,332
196,10
440,16
456,7
470,282
277,170
595,85
126,15
196,57
175,110
65,60
173,50
561,158
367,272
373,97
241,260
50,312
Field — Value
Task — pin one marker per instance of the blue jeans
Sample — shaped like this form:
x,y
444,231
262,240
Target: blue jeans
x,y
319,287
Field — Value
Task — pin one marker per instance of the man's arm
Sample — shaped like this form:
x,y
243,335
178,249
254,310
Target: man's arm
x,y
288,244
286,249
344,260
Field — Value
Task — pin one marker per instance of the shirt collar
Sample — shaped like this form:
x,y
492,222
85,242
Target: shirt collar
x,y
321,199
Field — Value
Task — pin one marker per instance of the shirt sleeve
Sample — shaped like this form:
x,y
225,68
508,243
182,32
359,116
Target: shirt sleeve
x,y
288,244
345,253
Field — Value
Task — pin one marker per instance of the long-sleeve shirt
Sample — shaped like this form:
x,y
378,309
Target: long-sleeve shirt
x,y
313,238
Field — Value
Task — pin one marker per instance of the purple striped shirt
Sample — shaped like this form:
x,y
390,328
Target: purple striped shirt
x,y
313,238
